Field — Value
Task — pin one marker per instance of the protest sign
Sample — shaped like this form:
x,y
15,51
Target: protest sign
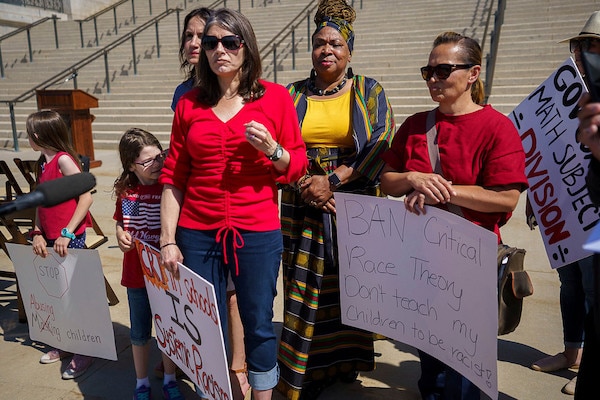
x,y
429,281
65,300
556,164
187,323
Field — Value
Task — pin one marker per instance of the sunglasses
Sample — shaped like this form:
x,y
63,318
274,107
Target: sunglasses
x,y
442,71
158,159
230,42
581,44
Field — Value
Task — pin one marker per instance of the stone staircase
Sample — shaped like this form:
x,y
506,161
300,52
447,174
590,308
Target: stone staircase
x,y
393,39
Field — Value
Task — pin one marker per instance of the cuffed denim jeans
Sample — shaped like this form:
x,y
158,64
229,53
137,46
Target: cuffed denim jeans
x,y
258,262
140,316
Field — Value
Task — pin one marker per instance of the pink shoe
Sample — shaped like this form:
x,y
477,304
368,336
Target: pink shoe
x,y
79,364
53,356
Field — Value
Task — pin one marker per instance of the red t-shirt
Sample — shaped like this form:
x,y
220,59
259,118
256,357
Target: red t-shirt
x,y
481,148
139,211
53,219
226,182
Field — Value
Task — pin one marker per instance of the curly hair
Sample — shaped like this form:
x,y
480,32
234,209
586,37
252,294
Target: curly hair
x,y
335,9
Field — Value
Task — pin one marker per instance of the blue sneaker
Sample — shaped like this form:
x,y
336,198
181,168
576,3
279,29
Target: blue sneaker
x,y
171,391
142,393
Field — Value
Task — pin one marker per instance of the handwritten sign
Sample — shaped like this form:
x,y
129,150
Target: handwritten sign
x,y
187,323
556,165
65,300
428,281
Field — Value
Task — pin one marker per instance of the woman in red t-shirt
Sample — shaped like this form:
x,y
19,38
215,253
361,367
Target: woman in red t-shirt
x,y
482,167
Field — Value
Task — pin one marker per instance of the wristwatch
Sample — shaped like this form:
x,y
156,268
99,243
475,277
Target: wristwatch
x,y
65,232
334,180
277,154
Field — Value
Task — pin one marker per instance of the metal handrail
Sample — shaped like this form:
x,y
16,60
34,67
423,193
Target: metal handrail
x,y
28,29
94,17
71,72
491,57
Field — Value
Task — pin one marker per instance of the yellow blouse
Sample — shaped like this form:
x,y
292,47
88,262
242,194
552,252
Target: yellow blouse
x,y
328,122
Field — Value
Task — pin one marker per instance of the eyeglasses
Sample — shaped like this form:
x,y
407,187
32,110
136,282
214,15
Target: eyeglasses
x,y
583,44
442,71
230,42
158,159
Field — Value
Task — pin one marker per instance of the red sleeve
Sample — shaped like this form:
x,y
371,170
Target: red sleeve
x,y
118,215
288,133
176,168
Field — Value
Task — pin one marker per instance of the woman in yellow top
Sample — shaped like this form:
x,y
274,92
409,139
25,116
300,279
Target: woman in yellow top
x,y
346,122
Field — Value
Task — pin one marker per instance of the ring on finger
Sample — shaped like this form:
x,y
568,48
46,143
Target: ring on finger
x,y
313,203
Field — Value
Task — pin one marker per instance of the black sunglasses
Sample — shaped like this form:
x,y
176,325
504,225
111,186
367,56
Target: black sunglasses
x,y
442,71
230,42
583,44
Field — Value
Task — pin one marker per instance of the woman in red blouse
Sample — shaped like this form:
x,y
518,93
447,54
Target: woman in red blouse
x,y
234,138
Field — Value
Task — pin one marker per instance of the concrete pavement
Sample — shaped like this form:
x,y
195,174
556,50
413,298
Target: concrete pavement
x,y
397,370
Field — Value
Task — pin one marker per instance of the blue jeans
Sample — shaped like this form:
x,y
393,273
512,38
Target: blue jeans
x,y
440,382
140,316
576,298
258,261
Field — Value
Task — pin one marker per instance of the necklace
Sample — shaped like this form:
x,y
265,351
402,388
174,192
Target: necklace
x,y
320,92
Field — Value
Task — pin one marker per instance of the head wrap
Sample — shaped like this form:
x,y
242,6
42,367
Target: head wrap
x,y
342,26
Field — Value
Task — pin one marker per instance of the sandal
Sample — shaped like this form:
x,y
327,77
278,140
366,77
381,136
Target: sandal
x,y
242,380
553,363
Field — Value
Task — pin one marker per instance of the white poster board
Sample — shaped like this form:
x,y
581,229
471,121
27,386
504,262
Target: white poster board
x,y
65,300
187,323
555,164
429,281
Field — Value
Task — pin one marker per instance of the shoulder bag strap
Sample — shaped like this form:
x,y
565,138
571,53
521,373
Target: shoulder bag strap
x,y
434,154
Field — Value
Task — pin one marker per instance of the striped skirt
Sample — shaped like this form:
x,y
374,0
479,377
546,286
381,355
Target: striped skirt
x,y
314,345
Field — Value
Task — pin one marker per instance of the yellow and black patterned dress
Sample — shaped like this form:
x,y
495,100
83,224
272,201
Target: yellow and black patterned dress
x,y
315,346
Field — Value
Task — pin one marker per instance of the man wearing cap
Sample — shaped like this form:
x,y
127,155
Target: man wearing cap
x,y
588,134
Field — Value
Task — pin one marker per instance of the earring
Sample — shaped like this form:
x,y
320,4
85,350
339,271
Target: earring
x,y
349,73
313,74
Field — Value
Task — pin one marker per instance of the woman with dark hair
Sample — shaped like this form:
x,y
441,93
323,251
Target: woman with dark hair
x,y
479,174
346,122
189,49
234,138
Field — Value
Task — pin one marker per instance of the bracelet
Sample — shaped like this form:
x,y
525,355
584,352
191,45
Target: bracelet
x,y
35,233
168,244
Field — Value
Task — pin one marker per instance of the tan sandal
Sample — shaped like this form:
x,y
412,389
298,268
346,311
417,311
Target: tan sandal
x,y
242,379
553,363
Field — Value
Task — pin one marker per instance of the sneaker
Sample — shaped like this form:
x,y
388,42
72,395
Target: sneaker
x,y
79,364
142,393
171,391
53,356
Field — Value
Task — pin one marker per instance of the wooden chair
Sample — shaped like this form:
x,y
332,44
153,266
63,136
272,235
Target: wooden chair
x,y
27,168
23,221
12,187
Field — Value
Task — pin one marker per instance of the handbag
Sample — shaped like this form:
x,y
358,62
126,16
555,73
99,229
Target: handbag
x,y
513,281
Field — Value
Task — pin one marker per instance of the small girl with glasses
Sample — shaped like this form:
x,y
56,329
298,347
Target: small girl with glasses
x,y
138,216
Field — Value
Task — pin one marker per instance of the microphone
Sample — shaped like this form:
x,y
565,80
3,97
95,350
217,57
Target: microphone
x,y
52,192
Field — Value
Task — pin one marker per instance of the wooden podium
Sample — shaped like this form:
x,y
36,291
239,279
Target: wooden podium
x,y
74,106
